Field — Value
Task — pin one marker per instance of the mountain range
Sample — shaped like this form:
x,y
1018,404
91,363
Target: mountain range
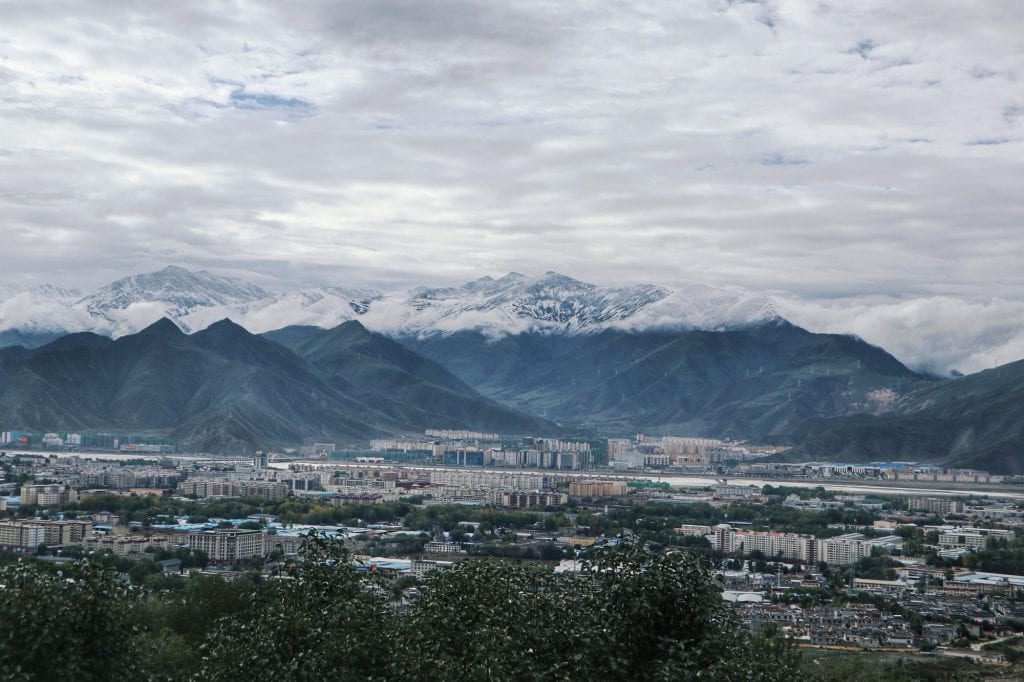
x,y
512,304
224,389
615,360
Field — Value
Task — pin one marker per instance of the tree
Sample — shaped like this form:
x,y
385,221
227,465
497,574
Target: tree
x,y
71,625
142,568
318,624
633,615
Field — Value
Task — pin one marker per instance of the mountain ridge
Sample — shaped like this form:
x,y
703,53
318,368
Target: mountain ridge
x,y
607,359
514,303
223,389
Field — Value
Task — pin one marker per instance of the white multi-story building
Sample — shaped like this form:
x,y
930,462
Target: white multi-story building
x,y
937,505
725,490
442,547
19,535
220,487
487,479
125,545
34,532
228,544
695,530
841,550
527,499
53,440
971,538
852,547
454,434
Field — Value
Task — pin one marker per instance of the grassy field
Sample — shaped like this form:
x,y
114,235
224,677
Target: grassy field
x,y
856,666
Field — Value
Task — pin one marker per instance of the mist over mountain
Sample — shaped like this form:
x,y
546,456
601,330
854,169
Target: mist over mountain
x,y
512,304
351,362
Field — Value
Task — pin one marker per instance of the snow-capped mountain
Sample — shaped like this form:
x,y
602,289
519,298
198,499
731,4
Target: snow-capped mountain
x,y
557,303
42,308
325,307
134,302
551,303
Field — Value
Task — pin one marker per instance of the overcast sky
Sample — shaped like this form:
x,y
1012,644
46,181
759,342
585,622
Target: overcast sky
x,y
862,160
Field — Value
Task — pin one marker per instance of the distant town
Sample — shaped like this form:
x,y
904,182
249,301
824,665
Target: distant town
x,y
892,567
680,455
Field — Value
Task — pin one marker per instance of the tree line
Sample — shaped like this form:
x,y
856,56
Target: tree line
x,y
636,614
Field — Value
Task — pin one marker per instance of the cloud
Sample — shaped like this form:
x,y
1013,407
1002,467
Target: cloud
x,y
820,150
937,335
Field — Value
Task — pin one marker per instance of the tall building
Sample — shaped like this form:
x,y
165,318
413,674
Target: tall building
x,y
261,460
528,499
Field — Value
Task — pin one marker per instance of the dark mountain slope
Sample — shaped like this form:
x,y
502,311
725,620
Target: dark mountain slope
x,y
226,390
742,383
162,380
28,339
974,421
412,388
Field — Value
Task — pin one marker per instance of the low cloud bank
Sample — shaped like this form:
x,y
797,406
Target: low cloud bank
x,y
937,334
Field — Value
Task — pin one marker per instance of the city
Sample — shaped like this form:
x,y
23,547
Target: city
x,y
460,340
892,568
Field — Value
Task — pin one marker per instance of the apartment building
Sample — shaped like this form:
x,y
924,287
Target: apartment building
x,y
47,494
527,499
226,545
126,545
841,550
488,479
596,488
17,535
852,547
940,506
30,534
971,538
223,487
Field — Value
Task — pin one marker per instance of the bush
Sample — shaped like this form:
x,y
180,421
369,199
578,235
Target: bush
x,y
632,615
73,624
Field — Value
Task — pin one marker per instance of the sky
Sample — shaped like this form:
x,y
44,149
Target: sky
x,y
860,161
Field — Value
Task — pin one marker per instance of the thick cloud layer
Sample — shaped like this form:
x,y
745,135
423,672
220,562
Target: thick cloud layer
x,y
828,150
938,334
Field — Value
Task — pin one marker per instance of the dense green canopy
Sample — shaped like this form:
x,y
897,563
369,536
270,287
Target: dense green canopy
x,y
634,615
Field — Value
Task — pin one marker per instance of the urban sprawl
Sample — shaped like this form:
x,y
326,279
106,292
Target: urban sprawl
x,y
892,567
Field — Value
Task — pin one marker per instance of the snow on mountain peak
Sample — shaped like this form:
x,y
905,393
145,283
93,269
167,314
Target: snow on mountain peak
x,y
514,303
131,303
558,303
177,286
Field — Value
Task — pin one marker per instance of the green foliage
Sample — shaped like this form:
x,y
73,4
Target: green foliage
x,y
1002,556
876,567
313,624
69,625
142,568
824,666
635,615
